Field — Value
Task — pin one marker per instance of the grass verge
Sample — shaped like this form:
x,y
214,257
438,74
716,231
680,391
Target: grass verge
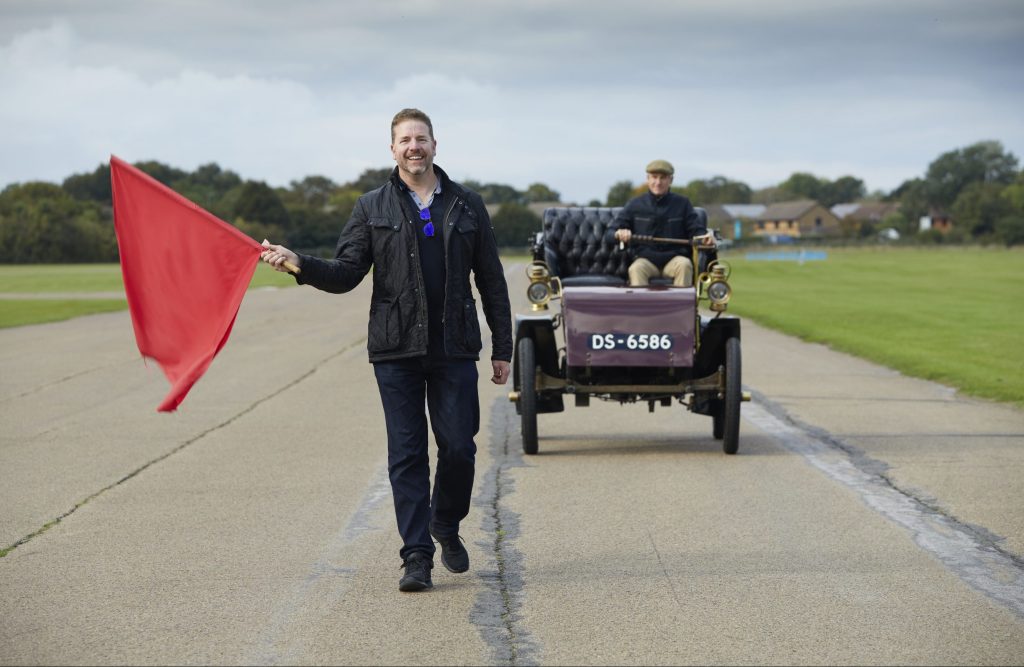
x,y
85,279
950,315
19,312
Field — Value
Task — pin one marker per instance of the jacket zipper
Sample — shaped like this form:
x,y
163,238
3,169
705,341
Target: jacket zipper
x,y
447,274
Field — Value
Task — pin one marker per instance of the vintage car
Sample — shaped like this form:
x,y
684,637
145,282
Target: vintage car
x,y
590,335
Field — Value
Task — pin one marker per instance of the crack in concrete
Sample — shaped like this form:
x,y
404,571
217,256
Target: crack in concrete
x,y
135,473
497,611
971,552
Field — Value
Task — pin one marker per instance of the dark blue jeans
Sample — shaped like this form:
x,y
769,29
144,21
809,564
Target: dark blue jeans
x,y
448,388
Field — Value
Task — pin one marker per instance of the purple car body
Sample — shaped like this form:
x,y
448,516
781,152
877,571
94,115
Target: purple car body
x,y
620,326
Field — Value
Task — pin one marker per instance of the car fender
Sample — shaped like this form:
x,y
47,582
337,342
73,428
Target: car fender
x,y
541,328
711,350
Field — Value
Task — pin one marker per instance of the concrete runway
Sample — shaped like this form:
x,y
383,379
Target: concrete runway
x,y
869,518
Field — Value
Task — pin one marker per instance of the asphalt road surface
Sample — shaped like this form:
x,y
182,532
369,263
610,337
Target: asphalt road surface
x,y
869,518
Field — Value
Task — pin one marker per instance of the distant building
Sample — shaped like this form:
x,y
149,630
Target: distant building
x,y
796,219
730,219
866,211
940,222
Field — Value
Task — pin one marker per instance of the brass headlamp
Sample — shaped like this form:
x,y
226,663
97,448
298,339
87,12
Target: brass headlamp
x,y
715,285
539,290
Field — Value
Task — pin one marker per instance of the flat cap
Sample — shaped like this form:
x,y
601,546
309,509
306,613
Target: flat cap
x,y
660,167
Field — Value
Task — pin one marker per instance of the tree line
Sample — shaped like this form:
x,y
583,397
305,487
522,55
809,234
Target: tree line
x,y
979,186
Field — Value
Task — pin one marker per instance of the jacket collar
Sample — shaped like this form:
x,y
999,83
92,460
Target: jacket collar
x,y
442,178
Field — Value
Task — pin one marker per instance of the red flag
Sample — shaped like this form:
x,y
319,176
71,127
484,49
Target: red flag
x,y
185,273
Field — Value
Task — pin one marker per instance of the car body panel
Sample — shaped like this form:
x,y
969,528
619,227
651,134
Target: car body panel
x,y
609,326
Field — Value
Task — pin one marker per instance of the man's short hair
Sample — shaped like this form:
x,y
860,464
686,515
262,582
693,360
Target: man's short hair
x,y
411,114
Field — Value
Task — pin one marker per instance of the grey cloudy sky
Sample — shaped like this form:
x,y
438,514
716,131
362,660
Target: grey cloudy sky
x,y
576,94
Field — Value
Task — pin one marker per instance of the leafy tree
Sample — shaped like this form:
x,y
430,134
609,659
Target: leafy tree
x,y
1009,229
343,202
983,162
92,186
898,221
717,190
513,225
314,190
257,230
843,189
802,185
370,179
41,222
258,203
166,174
538,192
207,185
768,195
498,193
619,193
1014,193
978,207
314,231
913,198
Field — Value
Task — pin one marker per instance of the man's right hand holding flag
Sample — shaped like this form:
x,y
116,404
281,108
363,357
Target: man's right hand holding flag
x,y
281,258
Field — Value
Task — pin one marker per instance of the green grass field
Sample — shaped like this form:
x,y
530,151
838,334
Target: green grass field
x,y
952,315
102,279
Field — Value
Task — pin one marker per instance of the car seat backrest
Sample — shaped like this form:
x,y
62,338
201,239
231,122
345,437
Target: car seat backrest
x,y
578,241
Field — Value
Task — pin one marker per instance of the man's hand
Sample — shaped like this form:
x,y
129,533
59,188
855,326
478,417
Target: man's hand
x,y
277,255
501,371
707,239
623,235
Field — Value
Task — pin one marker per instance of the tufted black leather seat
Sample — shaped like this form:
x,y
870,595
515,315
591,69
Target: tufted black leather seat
x,y
579,248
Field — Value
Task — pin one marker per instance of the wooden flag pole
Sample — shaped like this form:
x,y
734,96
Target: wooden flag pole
x,y
289,266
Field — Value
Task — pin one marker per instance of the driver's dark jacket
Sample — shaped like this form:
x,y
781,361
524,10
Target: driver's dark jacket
x,y
669,216
381,234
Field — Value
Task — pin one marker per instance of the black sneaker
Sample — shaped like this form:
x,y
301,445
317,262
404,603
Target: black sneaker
x,y
417,573
453,555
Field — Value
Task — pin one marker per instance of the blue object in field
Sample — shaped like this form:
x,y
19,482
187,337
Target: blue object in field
x,y
789,255
737,229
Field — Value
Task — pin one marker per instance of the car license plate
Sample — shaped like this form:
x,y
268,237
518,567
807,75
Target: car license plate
x,y
612,341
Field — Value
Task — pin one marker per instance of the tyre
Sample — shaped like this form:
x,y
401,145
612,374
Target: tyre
x,y
527,367
733,397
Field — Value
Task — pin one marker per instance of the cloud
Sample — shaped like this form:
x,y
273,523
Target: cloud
x,y
575,95
276,129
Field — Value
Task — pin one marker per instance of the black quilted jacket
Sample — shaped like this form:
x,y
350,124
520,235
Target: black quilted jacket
x,y
381,234
671,216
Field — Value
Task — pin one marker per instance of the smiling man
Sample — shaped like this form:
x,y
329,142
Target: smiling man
x,y
425,234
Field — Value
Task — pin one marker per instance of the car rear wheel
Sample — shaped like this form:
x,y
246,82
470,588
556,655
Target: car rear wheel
x,y
733,397
527,368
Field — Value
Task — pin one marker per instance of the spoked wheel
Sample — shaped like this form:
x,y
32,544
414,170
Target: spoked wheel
x,y
730,413
527,367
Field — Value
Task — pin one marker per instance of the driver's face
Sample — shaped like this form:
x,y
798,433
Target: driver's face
x,y
658,183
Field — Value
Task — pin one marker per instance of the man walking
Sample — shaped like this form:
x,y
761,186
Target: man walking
x,y
423,234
